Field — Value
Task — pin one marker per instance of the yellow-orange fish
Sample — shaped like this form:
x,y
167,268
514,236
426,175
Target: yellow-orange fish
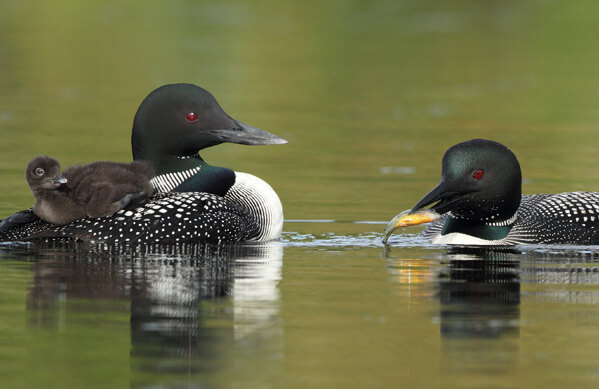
x,y
406,218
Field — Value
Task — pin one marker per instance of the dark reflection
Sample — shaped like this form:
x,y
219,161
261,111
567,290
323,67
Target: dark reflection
x,y
189,304
480,294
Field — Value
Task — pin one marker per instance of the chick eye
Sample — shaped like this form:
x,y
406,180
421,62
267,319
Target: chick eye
x,y
478,174
191,117
39,171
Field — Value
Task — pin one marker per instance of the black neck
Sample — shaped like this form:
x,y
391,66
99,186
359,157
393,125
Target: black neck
x,y
476,229
211,179
164,164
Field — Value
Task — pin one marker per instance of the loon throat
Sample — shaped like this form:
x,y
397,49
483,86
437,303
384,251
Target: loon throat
x,y
174,170
484,230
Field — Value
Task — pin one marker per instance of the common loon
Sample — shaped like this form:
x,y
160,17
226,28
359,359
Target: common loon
x,y
195,201
481,202
95,190
174,123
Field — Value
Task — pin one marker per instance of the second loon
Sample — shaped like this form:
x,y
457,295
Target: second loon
x,y
481,203
171,125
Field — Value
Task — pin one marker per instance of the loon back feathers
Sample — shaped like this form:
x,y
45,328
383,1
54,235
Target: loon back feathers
x,y
564,218
168,218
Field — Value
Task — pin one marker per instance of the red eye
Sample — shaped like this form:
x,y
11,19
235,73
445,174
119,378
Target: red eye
x,y
478,174
192,117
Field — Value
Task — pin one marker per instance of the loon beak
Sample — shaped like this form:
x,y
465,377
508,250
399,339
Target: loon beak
x,y
409,218
441,196
59,179
247,135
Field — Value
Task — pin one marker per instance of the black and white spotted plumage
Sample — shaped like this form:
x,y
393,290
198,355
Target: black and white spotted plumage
x,y
168,218
564,218
248,192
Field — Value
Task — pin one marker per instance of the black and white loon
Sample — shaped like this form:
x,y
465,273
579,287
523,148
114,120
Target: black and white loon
x,y
480,197
196,202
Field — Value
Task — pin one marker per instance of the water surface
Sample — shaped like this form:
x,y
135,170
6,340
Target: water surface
x,y
369,95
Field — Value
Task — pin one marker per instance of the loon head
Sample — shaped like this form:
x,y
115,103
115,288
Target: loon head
x,y
480,182
43,173
178,120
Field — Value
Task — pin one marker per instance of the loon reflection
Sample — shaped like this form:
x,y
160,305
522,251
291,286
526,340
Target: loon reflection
x,y
479,294
479,291
191,306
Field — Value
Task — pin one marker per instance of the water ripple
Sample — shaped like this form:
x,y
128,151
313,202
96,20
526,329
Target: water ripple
x,y
330,239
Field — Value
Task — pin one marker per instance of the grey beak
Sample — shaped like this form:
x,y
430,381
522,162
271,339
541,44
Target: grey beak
x,y
59,179
247,135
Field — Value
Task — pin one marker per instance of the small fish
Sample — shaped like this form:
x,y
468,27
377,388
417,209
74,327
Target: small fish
x,y
409,218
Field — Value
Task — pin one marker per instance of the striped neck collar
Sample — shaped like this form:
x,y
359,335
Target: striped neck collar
x,y
167,182
507,222
483,230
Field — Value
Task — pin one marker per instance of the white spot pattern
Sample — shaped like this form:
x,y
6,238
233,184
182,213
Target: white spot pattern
x,y
227,222
563,218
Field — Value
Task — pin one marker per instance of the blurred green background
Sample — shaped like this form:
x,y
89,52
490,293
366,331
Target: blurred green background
x,y
368,93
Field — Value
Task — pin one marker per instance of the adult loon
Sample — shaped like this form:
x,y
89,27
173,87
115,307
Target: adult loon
x,y
95,190
196,202
480,199
174,123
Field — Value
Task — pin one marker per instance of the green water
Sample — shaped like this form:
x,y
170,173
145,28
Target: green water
x,y
369,95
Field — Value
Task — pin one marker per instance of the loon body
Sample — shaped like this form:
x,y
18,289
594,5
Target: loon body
x,y
189,217
195,201
94,190
480,198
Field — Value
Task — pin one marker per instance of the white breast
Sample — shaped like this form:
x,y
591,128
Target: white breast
x,y
256,195
459,239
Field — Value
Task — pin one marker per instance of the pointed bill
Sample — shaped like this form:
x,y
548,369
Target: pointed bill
x,y
247,135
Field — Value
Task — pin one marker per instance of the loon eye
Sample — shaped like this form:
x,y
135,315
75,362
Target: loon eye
x,y
191,117
478,174
39,171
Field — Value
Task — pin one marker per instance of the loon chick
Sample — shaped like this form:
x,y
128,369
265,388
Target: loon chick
x,y
480,198
175,122
219,205
94,190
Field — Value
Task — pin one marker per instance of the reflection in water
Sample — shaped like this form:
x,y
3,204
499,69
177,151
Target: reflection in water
x,y
480,294
559,275
189,304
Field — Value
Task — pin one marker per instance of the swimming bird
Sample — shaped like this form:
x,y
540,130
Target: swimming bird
x,y
195,201
94,190
174,123
481,203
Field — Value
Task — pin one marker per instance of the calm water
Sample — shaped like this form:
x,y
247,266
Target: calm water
x,y
369,95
